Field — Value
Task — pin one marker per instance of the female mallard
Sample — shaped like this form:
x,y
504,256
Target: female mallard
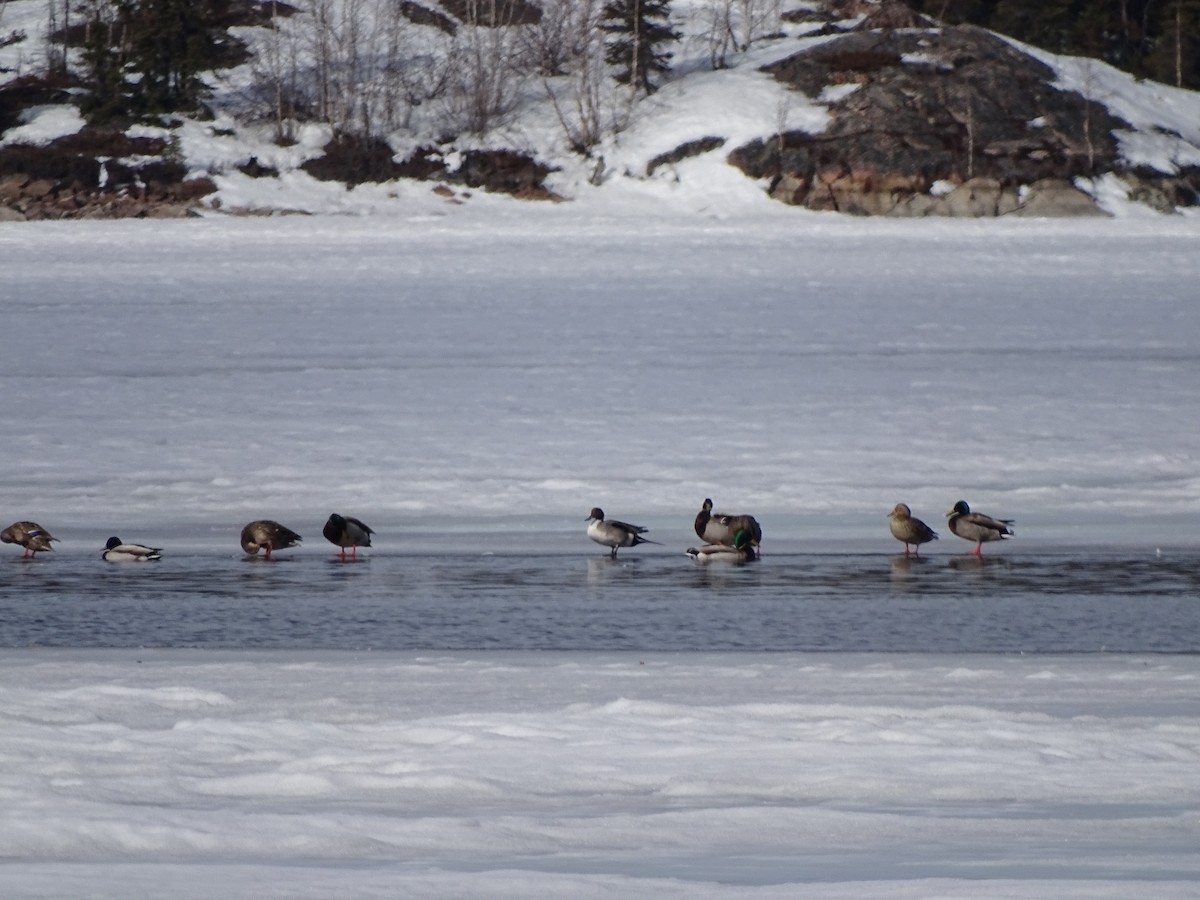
x,y
612,533
721,528
742,550
909,530
347,531
977,527
116,551
264,533
30,535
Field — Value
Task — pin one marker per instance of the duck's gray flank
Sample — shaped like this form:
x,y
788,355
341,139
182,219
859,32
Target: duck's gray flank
x,y
614,534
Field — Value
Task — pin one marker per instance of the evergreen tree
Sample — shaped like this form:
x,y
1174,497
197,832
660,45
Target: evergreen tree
x,y
1048,24
103,64
169,42
637,31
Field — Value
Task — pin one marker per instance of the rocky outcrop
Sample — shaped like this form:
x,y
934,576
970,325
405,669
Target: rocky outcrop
x,y
948,121
684,151
355,160
96,173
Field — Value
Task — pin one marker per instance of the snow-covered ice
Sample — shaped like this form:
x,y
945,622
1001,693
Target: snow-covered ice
x,y
200,774
436,371
492,360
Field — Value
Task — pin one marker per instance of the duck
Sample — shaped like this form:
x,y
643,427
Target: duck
x,y
721,528
977,527
30,535
347,531
614,534
908,529
743,549
118,551
265,533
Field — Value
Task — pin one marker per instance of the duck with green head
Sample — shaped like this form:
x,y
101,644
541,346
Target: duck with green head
x,y
721,528
977,527
743,549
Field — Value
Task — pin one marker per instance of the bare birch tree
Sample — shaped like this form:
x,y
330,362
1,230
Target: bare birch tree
x,y
488,79
578,83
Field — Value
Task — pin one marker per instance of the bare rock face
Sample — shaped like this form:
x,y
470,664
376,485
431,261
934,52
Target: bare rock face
x,y
1055,198
924,107
83,176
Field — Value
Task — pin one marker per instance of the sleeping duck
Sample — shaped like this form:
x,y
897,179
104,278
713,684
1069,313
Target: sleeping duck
x,y
908,529
977,527
30,535
117,551
742,550
264,533
614,534
721,528
347,531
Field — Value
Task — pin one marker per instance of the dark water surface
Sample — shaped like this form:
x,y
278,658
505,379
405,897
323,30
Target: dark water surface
x,y
1042,603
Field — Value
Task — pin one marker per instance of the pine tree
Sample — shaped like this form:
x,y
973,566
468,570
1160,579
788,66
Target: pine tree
x,y
169,43
637,31
103,67
1047,24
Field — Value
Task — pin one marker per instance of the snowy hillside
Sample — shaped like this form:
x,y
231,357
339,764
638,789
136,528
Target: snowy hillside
x,y
629,162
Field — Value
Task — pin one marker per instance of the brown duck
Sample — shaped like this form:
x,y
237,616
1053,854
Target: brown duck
x,y
722,528
30,535
266,534
909,530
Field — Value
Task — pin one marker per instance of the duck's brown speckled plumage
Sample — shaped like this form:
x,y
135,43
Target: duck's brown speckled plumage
x,y
908,529
721,528
30,535
265,534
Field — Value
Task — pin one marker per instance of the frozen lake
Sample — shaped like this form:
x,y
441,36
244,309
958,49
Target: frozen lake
x,y
195,774
497,366
486,705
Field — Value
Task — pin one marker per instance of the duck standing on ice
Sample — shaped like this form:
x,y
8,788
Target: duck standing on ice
x,y
977,527
347,531
614,534
30,535
908,529
264,533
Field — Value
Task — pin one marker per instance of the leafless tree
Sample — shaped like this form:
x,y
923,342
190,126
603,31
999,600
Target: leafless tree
x,y
733,26
488,79
582,93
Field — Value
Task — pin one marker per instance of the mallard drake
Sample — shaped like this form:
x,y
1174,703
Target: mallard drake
x,y
116,551
30,535
909,530
612,533
977,527
265,533
743,549
347,531
721,528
